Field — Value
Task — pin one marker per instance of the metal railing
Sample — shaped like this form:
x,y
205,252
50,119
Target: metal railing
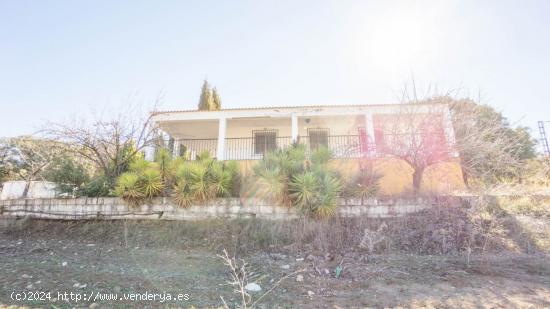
x,y
248,148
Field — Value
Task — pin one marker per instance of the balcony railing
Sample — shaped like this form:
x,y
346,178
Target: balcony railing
x,y
247,148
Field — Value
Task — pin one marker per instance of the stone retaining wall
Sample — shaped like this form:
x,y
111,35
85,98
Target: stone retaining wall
x,y
164,209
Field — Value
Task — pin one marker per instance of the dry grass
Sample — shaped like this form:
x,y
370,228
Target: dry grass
x,y
486,226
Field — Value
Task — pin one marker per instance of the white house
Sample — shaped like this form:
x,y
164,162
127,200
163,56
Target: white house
x,y
350,131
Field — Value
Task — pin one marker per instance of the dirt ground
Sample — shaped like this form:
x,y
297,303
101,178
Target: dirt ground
x,y
57,262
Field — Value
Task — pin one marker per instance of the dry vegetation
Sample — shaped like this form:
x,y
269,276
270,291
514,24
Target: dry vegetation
x,y
495,248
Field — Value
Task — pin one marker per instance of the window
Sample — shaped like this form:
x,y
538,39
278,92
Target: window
x,y
264,141
317,138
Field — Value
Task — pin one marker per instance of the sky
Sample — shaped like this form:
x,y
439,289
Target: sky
x,y
63,59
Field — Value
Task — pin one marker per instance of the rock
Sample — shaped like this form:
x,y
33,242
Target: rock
x,y
29,286
299,259
93,305
299,278
26,276
310,293
64,264
253,287
285,266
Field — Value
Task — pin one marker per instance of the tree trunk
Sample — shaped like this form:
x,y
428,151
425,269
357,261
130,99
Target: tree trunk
x,y
26,190
465,178
417,179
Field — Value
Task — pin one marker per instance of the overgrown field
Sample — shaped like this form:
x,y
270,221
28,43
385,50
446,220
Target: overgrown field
x,y
492,254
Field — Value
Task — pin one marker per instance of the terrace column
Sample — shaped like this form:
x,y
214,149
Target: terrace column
x,y
221,138
369,126
449,131
294,129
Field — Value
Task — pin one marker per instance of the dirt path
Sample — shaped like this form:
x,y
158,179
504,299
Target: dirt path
x,y
60,263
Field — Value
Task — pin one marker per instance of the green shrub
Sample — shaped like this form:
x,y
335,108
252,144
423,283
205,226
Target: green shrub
x,y
98,186
142,181
276,170
68,175
130,189
187,181
290,178
204,179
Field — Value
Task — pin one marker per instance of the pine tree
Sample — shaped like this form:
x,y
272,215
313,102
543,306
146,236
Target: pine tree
x,y
216,100
206,101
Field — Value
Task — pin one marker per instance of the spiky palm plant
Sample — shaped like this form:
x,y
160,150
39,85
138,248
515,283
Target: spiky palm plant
x,y
273,185
296,180
275,171
219,180
163,158
129,189
304,190
197,179
329,188
182,196
151,182
203,179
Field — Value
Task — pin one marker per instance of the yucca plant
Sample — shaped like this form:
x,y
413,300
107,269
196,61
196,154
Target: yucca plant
x,y
203,179
275,171
163,158
142,181
219,180
305,189
289,177
330,187
272,184
182,195
151,183
129,189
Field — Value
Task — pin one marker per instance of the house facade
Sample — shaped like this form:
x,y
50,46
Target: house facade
x,y
353,133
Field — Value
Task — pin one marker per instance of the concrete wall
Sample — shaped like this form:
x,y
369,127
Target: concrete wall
x,y
37,189
164,209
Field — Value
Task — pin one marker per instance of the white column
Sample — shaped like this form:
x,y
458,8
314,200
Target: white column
x,y
294,130
449,131
221,139
176,151
369,126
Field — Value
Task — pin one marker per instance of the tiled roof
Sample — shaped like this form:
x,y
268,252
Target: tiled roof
x,y
278,107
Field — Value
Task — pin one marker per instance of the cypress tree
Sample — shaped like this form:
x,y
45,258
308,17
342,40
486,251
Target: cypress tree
x,y
217,101
206,101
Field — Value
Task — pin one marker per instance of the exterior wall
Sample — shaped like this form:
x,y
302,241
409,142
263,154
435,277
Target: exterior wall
x,y
37,189
396,175
337,125
163,209
243,128
237,128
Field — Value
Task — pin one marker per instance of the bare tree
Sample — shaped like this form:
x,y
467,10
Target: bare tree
x,y
6,159
417,134
32,156
436,129
111,141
